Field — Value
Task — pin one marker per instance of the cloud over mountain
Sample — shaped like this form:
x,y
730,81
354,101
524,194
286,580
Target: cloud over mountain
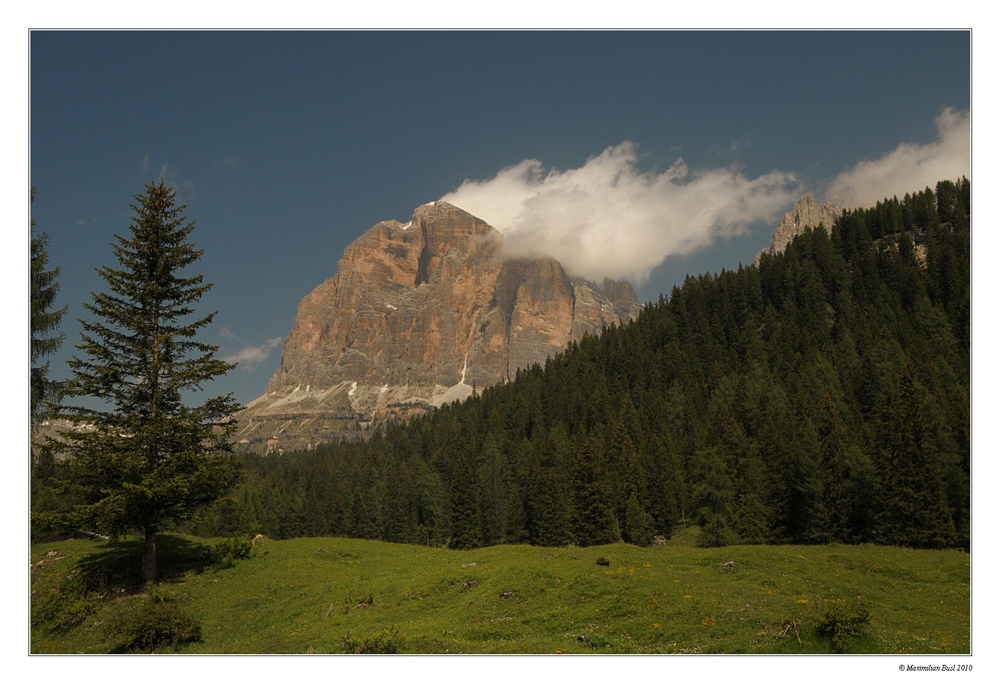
x,y
909,167
608,218
249,356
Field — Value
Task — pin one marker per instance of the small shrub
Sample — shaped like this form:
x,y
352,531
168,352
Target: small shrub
x,y
601,560
389,641
154,594
228,551
150,626
365,598
716,532
361,601
69,606
595,641
842,621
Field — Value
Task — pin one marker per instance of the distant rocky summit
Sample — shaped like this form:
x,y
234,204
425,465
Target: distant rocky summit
x,y
418,315
807,213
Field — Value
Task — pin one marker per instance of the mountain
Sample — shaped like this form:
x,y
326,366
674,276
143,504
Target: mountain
x,y
807,213
418,315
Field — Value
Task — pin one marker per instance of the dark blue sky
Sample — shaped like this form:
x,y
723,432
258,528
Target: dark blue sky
x,y
288,145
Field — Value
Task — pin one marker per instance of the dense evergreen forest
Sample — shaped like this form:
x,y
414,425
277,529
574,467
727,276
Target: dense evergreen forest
x,y
822,396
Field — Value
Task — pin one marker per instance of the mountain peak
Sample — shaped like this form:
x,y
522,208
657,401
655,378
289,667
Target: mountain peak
x,y
807,213
416,315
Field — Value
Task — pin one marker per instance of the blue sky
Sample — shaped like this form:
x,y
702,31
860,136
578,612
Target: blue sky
x,y
286,146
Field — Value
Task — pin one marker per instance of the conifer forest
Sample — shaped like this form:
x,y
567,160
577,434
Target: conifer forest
x,y
820,396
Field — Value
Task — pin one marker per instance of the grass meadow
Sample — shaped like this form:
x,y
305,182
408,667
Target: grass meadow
x,y
330,595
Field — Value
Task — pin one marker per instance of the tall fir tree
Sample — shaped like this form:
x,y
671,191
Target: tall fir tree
x,y
915,510
831,524
400,522
492,497
595,519
44,321
464,508
366,523
431,501
805,504
753,516
714,495
622,461
147,459
552,504
638,523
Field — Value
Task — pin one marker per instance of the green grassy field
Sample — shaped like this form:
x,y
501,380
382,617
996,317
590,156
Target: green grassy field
x,y
328,595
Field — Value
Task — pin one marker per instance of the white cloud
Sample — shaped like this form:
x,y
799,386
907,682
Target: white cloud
x,y
608,218
249,356
909,167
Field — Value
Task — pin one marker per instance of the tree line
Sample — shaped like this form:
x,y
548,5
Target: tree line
x,y
822,396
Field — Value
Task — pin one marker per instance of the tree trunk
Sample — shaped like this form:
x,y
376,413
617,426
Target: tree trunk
x,y
149,557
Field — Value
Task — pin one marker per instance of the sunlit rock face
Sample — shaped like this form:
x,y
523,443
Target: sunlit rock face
x,y
808,213
417,315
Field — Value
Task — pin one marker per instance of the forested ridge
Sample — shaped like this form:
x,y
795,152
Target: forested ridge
x,y
822,396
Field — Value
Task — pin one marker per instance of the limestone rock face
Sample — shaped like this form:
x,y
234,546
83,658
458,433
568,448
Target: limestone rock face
x,y
807,213
418,314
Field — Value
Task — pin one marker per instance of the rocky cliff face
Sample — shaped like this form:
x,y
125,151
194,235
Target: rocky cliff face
x,y
807,213
417,315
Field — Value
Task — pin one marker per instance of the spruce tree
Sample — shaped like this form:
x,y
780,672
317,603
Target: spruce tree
x,y
638,522
831,525
551,504
714,495
492,498
44,321
464,509
595,520
145,458
753,515
915,509
431,501
622,463
367,514
400,522
806,487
